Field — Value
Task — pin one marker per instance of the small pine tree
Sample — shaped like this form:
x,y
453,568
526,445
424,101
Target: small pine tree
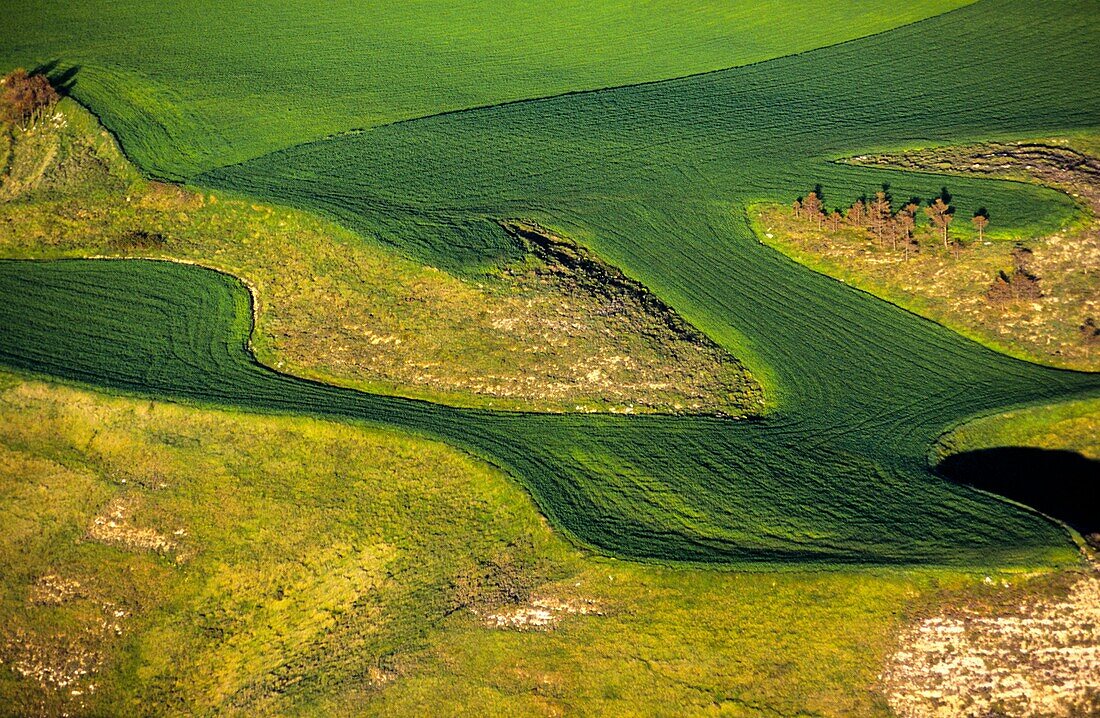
x,y
910,211
941,215
811,208
980,221
907,221
881,213
856,213
811,204
835,219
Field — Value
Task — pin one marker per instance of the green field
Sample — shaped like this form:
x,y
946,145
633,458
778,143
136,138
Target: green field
x,y
675,488
286,72
461,123
342,311
859,390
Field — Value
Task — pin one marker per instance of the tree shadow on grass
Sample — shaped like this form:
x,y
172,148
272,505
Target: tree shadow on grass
x,y
1061,484
62,77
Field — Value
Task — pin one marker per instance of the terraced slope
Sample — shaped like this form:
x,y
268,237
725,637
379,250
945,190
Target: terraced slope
x,y
656,178
190,86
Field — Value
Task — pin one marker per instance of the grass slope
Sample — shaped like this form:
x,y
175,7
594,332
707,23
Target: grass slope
x,y
285,72
1066,426
656,178
548,333
669,488
293,556
313,568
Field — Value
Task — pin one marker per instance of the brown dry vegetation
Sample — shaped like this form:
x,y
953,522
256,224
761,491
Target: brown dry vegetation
x,y
1039,321
1022,653
544,335
25,98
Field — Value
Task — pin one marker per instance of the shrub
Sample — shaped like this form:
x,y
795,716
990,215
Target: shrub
x,y
25,99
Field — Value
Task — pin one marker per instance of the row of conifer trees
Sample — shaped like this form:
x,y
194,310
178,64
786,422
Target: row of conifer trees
x,y
878,216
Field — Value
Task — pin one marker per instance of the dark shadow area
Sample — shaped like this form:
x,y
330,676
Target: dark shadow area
x,y
1062,484
62,79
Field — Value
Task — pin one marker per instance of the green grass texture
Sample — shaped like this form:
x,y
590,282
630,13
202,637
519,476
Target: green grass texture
x,y
656,179
189,86
838,478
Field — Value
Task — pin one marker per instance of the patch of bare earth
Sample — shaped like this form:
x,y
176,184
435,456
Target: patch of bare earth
x,y
541,614
115,527
71,623
1037,657
505,593
63,661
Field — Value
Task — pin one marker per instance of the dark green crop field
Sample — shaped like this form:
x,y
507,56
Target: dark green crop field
x,y
842,483
656,178
191,86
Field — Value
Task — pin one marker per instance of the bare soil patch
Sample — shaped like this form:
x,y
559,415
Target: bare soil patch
x,y
1023,656
115,527
62,659
541,614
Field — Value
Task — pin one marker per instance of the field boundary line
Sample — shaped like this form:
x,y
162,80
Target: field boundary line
x,y
576,93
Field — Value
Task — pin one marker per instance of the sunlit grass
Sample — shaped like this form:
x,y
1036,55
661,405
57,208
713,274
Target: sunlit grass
x,y
323,569
340,308
231,82
1070,426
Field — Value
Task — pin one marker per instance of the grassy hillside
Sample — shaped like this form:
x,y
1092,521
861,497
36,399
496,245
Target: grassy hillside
x,y
656,178
1069,426
188,86
676,488
208,562
552,331
190,560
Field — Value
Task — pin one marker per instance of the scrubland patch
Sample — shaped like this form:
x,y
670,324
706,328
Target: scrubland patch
x,y
1021,655
1048,324
617,639
58,654
538,335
